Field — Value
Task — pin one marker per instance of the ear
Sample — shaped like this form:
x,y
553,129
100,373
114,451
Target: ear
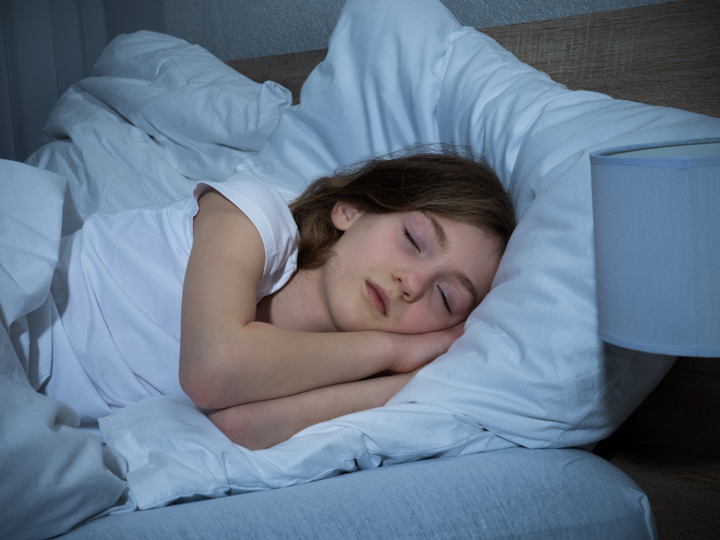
x,y
344,214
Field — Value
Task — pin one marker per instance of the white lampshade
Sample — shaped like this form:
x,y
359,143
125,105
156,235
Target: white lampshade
x,y
657,246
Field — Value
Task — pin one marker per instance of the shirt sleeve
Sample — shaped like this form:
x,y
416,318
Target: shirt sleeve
x,y
269,212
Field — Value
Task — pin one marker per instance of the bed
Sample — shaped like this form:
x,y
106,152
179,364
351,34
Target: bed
x,y
491,440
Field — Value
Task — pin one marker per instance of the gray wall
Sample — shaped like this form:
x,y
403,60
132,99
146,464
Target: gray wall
x,y
233,29
45,46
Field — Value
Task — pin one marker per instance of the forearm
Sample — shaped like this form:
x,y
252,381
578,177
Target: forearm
x,y
260,361
266,423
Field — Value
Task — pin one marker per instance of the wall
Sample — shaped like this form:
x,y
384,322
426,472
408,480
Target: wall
x,y
233,29
45,46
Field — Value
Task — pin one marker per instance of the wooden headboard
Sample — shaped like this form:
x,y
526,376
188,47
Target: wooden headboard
x,y
667,55
663,54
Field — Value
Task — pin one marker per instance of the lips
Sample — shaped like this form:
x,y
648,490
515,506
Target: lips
x,y
378,297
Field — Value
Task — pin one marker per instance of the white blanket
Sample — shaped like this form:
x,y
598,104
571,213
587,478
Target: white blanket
x,y
157,114
121,139
53,474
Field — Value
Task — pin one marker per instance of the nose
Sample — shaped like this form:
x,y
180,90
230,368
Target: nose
x,y
412,283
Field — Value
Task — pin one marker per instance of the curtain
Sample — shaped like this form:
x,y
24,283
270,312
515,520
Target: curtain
x,y
47,45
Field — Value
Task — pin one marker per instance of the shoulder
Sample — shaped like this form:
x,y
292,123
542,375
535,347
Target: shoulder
x,y
267,210
261,203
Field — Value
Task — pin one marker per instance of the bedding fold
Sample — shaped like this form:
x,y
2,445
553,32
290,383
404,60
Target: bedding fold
x,y
54,476
157,115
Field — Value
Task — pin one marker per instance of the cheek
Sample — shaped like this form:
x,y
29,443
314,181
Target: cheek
x,y
345,314
420,318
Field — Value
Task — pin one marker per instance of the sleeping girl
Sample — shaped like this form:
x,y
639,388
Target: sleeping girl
x,y
273,318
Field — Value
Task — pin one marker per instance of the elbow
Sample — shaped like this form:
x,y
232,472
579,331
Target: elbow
x,y
199,389
248,425
201,395
232,423
207,381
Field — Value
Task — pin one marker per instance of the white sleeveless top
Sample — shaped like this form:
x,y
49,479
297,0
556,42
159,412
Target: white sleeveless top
x,y
117,293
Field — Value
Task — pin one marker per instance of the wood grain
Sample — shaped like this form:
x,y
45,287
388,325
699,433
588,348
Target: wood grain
x,y
670,446
289,70
663,54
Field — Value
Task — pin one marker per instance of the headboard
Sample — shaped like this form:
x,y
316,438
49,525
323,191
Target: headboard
x,y
620,53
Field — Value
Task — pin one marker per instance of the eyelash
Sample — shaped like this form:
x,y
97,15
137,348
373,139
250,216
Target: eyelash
x,y
445,300
412,240
416,246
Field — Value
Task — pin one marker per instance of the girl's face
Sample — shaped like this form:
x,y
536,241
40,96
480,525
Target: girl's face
x,y
405,272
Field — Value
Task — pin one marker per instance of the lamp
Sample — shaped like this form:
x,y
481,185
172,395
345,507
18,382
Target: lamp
x,y
656,211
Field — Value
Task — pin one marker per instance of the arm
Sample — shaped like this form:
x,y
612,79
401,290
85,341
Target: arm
x,y
266,423
227,358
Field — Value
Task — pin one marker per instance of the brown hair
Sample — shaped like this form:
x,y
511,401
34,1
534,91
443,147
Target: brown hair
x,y
451,183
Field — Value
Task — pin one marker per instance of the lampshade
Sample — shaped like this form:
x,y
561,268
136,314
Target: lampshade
x,y
656,213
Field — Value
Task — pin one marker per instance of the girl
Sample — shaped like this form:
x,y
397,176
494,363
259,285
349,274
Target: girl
x,y
274,334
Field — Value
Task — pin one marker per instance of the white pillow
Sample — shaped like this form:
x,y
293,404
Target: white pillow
x,y
530,367
376,91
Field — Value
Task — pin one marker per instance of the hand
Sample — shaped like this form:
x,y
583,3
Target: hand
x,y
416,350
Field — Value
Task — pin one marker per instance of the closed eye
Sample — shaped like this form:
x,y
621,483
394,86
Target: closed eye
x,y
412,240
445,300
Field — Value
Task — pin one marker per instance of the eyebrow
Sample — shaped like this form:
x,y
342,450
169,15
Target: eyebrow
x,y
464,280
439,231
469,287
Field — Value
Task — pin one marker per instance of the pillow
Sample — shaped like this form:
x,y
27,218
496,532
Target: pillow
x,y
376,91
530,367
543,377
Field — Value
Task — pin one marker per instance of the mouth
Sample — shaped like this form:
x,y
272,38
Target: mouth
x,y
378,297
